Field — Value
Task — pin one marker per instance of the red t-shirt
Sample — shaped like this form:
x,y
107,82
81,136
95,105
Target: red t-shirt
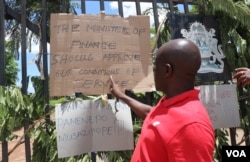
x,y
178,129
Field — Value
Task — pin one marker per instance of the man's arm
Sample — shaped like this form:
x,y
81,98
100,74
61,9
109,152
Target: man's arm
x,y
137,107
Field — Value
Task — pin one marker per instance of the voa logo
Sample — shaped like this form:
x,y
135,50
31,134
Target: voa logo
x,y
236,153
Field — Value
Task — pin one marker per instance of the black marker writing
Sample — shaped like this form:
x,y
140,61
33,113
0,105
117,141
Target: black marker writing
x,y
98,71
93,44
64,59
119,57
107,28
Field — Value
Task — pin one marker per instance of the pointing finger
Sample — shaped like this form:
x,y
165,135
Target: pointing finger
x,y
111,79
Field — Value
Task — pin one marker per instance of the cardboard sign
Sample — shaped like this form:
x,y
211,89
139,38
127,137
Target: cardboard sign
x,y
86,125
87,49
222,105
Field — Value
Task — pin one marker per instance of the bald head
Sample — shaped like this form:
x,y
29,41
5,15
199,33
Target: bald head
x,y
179,61
182,54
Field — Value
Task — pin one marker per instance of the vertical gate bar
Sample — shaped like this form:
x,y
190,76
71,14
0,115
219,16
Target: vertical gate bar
x,y
63,9
2,71
138,7
93,154
156,19
27,142
83,6
149,98
120,8
2,47
232,132
186,10
24,75
246,133
23,47
171,6
93,157
45,61
102,8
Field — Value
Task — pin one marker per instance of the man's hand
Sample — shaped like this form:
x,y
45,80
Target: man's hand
x,y
137,107
242,75
115,89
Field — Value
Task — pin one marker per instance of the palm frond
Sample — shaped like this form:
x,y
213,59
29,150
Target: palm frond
x,y
236,10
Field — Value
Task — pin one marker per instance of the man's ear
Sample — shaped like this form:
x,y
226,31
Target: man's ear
x,y
169,70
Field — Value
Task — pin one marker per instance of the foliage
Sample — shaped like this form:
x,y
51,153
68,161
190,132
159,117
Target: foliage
x,y
13,111
237,11
45,148
34,14
221,140
13,105
11,68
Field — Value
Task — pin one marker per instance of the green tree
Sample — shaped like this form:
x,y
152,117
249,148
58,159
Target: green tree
x,y
11,68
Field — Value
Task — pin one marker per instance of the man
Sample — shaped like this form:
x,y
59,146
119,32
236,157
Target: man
x,y
178,128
